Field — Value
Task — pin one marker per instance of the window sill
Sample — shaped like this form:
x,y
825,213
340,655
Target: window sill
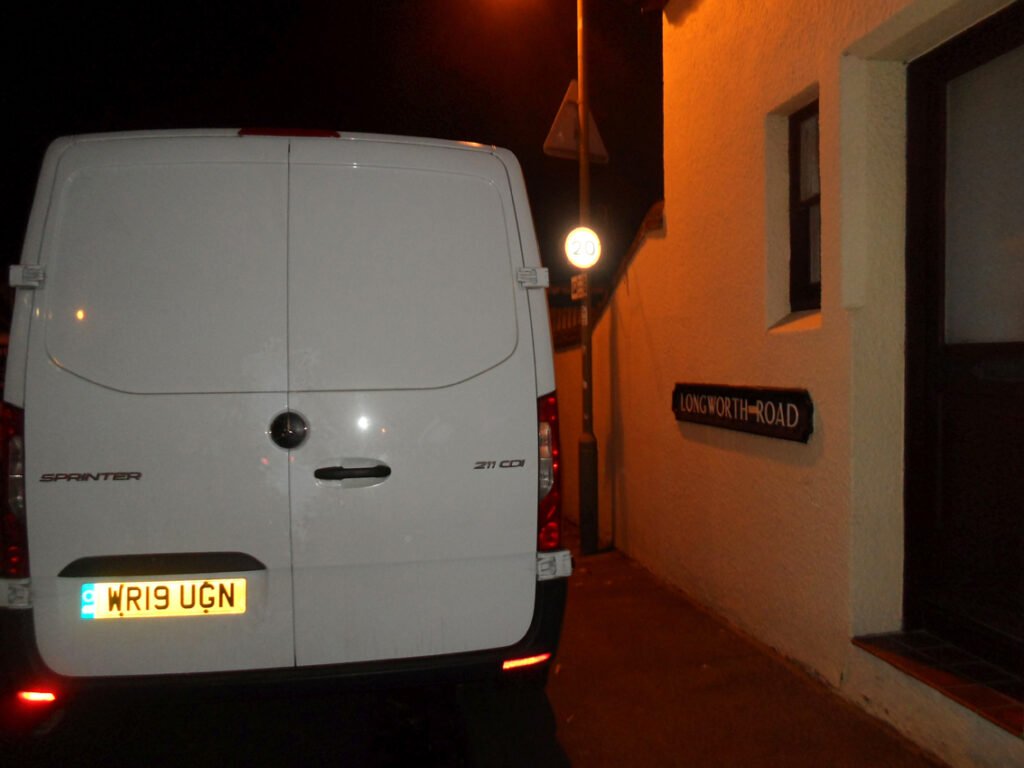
x,y
990,691
798,322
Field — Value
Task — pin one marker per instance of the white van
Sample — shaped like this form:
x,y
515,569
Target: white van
x,y
280,406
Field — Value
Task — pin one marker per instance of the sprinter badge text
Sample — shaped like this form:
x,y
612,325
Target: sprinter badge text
x,y
78,477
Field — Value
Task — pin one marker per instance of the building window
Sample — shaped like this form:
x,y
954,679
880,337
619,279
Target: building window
x,y
804,211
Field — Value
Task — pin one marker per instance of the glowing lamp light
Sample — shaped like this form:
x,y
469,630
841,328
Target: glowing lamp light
x,y
37,697
583,247
529,661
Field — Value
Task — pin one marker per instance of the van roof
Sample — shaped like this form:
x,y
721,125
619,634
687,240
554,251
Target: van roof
x,y
298,133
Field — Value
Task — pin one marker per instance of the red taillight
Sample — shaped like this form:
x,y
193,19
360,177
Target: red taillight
x,y
13,544
529,661
37,697
549,485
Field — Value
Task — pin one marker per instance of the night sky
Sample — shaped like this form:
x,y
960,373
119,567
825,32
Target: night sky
x,y
492,71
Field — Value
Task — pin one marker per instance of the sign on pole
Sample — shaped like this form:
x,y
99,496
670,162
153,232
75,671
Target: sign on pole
x,y
579,287
563,139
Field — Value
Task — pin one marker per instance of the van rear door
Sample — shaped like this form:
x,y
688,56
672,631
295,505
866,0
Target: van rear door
x,y
414,498
157,359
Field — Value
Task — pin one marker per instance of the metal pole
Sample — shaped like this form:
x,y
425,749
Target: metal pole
x,y
588,443
584,123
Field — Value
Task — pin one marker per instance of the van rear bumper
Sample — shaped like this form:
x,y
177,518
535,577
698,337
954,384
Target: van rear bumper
x,y
22,667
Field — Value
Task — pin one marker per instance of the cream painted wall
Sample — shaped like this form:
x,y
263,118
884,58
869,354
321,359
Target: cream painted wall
x,y
798,545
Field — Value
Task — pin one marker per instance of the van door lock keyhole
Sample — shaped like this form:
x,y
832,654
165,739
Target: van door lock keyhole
x,y
288,430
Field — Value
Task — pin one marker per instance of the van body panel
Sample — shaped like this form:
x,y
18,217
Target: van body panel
x,y
543,348
169,276
203,485
24,301
413,610
199,284
415,248
162,315
413,262
439,557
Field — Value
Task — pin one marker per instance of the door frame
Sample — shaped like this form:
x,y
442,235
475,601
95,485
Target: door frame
x,y
927,78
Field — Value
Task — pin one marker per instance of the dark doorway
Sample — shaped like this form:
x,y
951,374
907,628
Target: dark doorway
x,y
965,341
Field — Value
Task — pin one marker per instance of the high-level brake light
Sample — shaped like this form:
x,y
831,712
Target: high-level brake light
x,y
315,133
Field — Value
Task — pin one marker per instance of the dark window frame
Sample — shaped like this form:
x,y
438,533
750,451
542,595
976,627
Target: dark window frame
x,y
804,293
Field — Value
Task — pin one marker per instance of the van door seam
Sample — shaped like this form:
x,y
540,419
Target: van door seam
x,y
288,384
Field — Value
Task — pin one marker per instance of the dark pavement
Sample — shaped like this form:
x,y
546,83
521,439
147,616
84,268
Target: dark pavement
x,y
645,678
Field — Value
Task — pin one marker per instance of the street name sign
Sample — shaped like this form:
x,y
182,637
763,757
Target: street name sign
x,y
785,414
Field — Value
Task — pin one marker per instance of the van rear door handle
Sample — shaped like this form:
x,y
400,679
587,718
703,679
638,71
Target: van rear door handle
x,y
353,473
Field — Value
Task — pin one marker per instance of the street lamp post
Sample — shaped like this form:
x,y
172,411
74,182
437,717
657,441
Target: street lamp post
x,y
588,443
582,114
583,248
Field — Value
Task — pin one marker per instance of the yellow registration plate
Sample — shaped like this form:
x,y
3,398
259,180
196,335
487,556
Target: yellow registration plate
x,y
149,599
